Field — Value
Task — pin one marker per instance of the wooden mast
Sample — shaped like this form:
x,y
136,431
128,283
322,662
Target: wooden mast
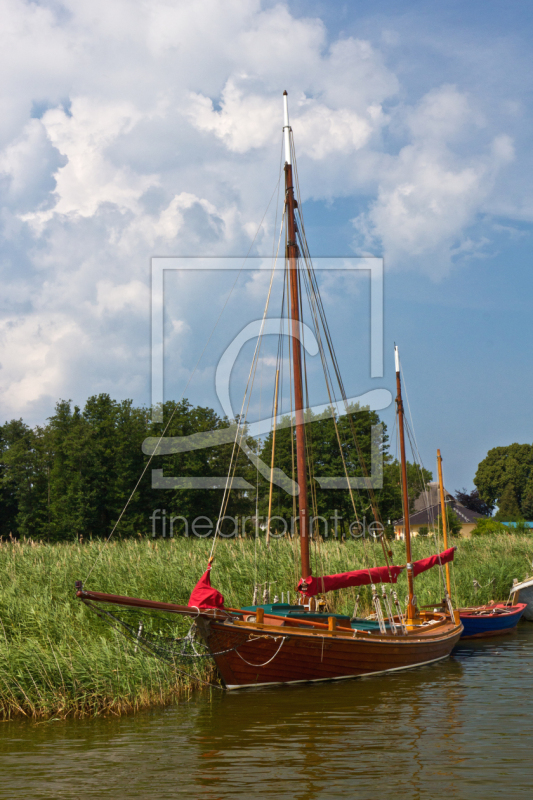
x,y
272,458
411,611
292,260
444,520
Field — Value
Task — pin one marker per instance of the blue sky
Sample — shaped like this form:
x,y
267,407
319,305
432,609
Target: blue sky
x,y
129,131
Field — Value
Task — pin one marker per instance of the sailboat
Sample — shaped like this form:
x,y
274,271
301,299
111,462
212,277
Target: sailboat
x,y
266,645
490,619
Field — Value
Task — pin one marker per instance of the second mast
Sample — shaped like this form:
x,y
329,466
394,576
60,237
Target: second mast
x,y
292,255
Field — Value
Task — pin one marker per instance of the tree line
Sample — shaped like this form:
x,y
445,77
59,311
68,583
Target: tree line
x,y
71,477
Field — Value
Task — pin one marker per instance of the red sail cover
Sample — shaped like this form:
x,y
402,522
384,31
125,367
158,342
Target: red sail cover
x,y
360,577
203,595
426,563
363,577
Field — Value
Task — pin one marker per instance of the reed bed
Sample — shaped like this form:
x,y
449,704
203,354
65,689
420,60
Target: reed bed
x,y
58,659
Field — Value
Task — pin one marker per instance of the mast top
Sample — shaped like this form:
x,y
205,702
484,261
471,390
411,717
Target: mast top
x,y
396,358
286,129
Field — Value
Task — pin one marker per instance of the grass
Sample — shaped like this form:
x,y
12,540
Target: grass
x,y
58,659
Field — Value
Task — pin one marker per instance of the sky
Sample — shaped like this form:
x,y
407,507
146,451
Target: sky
x,y
131,130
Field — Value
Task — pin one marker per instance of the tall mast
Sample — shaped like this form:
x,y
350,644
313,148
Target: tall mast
x,y
444,520
405,494
292,260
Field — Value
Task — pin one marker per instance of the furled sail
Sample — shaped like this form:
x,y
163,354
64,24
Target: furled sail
x,y
359,577
363,577
432,561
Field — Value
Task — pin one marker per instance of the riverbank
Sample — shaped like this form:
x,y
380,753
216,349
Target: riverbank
x,y
57,659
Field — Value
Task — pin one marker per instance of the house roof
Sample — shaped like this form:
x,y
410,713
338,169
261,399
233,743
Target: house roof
x,y
430,496
428,516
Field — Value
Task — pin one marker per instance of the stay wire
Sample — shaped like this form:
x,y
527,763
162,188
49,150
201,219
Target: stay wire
x,y
308,260
143,473
241,428
317,311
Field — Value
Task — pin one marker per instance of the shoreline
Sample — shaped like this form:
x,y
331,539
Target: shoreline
x,y
59,660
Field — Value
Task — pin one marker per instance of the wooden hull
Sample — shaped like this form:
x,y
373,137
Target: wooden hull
x,y
248,656
281,650
490,622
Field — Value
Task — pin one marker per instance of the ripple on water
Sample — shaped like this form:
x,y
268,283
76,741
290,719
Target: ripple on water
x,y
458,729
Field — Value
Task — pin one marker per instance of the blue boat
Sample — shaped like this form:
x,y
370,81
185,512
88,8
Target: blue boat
x,y
493,619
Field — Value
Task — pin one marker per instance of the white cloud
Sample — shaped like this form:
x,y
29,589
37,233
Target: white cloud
x,y
242,123
321,131
112,298
28,163
33,351
336,107
428,195
252,121
134,129
89,179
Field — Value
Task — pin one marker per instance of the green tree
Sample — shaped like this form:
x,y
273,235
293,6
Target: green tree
x,y
73,476
526,505
325,456
23,481
508,508
503,467
207,462
68,441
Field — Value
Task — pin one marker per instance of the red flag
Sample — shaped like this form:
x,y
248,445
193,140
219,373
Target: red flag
x,y
203,595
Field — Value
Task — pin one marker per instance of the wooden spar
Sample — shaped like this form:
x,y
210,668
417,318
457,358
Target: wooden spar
x,y
444,520
272,458
411,612
137,602
292,259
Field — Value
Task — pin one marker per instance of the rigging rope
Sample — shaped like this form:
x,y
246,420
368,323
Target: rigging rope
x,y
187,384
247,394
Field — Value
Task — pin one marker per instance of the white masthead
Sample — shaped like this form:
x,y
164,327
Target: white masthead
x,y
396,358
286,128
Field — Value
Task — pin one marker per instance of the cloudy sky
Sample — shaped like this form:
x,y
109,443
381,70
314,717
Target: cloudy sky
x,y
132,129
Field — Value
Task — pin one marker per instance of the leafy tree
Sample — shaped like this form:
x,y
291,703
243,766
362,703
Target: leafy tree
x,y
508,508
324,453
22,479
504,466
68,439
526,505
473,501
73,476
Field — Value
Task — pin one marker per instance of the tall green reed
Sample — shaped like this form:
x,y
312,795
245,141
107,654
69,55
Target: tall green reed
x,y
58,659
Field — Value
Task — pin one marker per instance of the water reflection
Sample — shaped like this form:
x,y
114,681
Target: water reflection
x,y
456,729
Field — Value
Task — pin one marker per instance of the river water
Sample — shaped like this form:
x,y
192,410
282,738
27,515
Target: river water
x,y
458,729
